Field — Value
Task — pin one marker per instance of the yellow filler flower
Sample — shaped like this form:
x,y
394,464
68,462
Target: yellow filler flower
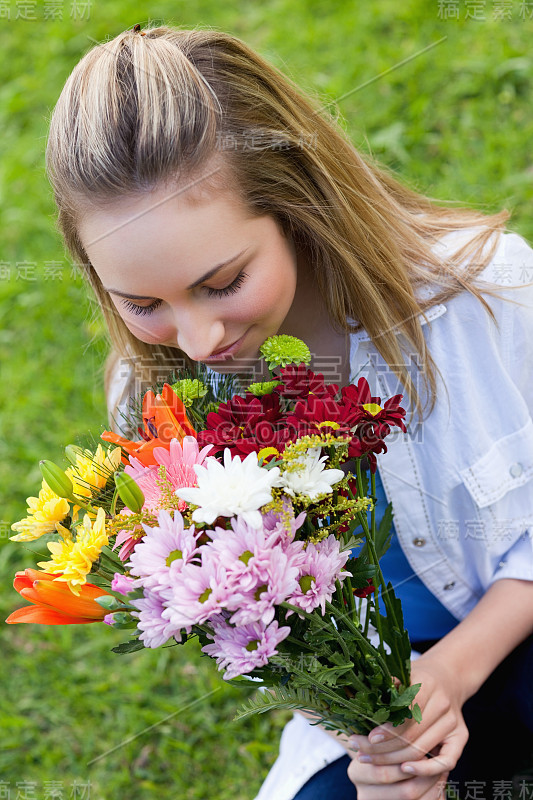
x,y
43,513
75,558
91,471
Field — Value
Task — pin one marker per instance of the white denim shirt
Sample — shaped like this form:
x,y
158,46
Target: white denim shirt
x,y
461,482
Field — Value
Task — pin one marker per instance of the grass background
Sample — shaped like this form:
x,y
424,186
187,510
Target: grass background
x,y
454,122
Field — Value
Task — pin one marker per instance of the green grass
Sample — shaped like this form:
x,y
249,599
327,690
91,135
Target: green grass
x,y
454,122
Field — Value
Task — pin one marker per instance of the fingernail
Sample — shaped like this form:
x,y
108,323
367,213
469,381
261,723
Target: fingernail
x,y
377,738
409,769
353,743
365,759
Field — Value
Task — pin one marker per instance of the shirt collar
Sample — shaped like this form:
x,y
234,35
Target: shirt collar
x,y
431,314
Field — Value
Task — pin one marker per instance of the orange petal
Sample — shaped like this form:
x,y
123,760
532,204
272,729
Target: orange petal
x,y
29,593
167,426
90,591
58,596
178,409
20,582
109,436
45,616
24,580
31,575
144,452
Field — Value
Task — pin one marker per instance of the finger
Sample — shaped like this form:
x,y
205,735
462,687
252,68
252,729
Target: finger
x,y
449,755
413,751
386,739
383,740
413,789
393,741
371,775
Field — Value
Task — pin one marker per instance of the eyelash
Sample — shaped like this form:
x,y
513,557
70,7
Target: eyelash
x,y
232,288
135,309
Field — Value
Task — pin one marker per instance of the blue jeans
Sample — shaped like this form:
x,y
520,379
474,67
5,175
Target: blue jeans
x,y
499,718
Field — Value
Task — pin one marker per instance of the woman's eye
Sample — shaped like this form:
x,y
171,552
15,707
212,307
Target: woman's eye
x,y
135,309
232,288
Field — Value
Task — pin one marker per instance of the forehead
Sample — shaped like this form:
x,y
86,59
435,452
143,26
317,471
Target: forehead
x,y
135,242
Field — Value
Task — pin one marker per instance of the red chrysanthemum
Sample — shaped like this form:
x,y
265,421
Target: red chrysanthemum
x,y
298,382
247,424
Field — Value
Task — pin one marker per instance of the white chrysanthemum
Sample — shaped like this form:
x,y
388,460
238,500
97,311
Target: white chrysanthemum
x,y
236,487
307,476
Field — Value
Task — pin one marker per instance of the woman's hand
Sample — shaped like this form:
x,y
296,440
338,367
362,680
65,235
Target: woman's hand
x,y
397,768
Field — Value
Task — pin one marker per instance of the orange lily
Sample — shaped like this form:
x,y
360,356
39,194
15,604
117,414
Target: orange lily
x,y
164,418
53,602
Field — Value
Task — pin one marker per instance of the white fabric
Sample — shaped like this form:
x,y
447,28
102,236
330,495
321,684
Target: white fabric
x,y
462,481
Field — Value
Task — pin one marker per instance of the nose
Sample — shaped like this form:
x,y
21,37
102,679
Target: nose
x,y
199,335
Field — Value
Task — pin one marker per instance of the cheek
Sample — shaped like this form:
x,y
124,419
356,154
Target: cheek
x,y
149,331
271,297
147,328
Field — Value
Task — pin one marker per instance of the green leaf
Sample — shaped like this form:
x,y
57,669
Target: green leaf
x,y
281,698
380,716
417,713
406,697
128,647
384,532
353,541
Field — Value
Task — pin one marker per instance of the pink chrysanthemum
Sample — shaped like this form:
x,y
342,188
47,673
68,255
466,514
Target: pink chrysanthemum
x,y
241,650
283,523
243,551
321,566
200,592
127,539
163,551
155,630
122,583
277,581
178,461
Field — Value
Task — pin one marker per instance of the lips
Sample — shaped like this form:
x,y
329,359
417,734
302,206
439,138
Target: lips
x,y
225,352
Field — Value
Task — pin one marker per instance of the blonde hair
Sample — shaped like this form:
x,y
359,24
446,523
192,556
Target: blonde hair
x,y
147,109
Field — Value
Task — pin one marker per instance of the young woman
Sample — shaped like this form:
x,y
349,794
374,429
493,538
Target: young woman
x,y
212,205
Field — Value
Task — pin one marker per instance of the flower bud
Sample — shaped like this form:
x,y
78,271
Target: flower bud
x,y
108,602
72,451
57,480
129,492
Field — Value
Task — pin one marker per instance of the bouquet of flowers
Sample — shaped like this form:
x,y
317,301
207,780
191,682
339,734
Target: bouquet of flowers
x,y
235,522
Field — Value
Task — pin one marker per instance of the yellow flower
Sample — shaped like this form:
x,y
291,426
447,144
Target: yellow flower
x,y
43,513
372,408
74,558
92,471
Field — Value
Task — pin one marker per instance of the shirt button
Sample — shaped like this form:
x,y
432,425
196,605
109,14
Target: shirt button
x,y
418,542
516,470
449,585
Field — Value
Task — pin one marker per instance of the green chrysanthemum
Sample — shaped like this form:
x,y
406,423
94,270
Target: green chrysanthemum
x,y
189,390
278,351
260,389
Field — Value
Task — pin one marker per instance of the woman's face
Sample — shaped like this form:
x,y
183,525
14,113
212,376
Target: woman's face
x,y
197,273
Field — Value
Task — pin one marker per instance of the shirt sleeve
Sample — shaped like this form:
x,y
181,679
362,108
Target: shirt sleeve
x,y
517,270
519,260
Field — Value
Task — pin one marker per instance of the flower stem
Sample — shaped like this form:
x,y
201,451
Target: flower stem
x,y
371,538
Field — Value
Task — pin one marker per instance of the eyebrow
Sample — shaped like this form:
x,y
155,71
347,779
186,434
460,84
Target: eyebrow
x,y
205,277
